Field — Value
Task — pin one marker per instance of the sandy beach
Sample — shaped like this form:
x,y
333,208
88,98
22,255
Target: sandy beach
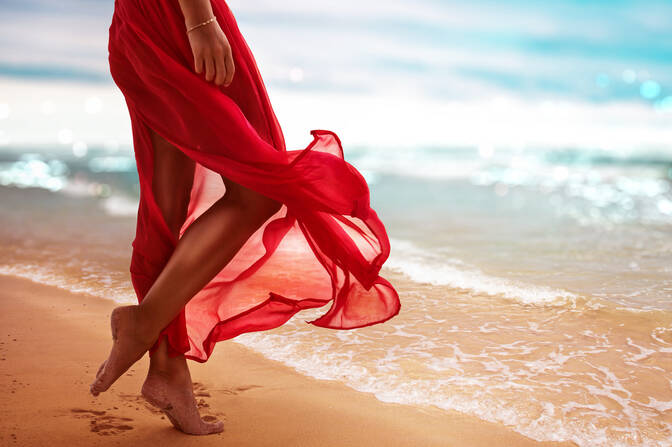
x,y
52,341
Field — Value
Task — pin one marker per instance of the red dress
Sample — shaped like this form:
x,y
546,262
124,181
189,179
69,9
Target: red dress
x,y
325,245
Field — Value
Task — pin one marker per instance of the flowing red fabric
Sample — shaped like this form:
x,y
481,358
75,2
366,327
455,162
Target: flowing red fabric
x,y
325,245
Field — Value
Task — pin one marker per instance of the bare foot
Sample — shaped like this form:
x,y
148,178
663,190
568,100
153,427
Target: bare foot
x,y
174,395
127,348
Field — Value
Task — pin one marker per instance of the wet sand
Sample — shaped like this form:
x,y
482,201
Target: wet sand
x,y
52,342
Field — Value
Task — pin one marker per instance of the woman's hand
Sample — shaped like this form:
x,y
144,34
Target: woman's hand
x,y
212,53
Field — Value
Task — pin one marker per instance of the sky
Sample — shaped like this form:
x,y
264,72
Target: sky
x,y
563,73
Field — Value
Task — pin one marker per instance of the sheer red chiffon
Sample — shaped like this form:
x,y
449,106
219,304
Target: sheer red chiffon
x,y
326,245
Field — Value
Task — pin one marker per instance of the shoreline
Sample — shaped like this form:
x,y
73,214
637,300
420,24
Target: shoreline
x,y
262,402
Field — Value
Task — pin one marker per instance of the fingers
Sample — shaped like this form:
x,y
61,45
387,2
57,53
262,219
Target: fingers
x,y
221,68
209,68
224,65
216,64
230,69
198,63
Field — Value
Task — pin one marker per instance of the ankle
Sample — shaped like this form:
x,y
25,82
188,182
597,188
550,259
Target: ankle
x,y
173,367
172,374
145,327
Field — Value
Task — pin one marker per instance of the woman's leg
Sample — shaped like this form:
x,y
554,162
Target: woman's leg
x,y
168,384
204,249
172,179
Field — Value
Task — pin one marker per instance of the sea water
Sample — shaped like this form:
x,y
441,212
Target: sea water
x,y
520,156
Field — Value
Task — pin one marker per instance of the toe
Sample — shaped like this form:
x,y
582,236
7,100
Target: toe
x,y
95,387
100,383
213,427
100,376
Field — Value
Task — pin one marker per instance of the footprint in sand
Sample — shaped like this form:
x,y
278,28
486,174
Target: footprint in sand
x,y
102,423
201,392
239,389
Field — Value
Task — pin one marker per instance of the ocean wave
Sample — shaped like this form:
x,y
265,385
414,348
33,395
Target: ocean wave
x,y
529,382
103,286
425,267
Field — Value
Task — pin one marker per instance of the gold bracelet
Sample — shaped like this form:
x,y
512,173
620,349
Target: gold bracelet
x,y
210,20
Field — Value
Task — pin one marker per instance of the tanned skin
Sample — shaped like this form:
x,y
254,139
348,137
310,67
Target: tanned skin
x,y
227,224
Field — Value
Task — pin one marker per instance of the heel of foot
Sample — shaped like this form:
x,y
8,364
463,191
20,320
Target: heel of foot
x,y
154,392
152,400
114,320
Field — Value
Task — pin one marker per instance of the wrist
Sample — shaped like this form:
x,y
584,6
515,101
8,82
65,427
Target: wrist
x,y
193,21
201,25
